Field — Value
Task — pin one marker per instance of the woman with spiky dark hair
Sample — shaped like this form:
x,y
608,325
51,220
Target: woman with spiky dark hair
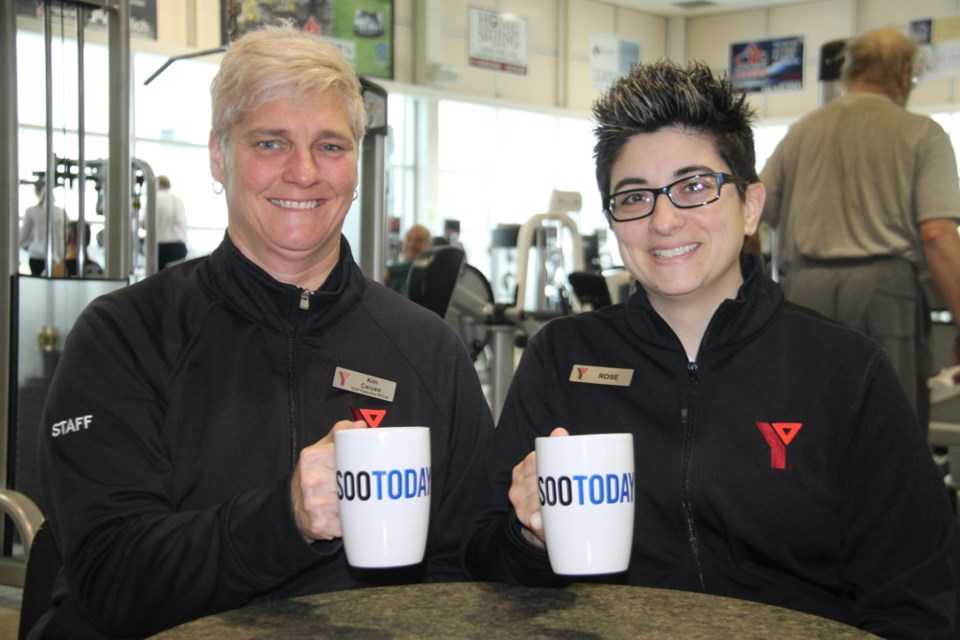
x,y
777,457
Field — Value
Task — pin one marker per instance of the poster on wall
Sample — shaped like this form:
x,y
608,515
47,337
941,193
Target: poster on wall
x,y
362,29
939,40
767,65
143,16
496,40
610,58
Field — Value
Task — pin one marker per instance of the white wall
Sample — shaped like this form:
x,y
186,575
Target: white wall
x,y
559,38
818,22
556,86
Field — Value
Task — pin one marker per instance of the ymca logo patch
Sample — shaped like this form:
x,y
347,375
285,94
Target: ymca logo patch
x,y
779,435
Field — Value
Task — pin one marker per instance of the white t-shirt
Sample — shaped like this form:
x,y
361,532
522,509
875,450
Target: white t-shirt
x,y
33,231
171,218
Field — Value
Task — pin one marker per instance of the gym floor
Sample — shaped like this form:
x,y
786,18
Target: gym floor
x,y
9,611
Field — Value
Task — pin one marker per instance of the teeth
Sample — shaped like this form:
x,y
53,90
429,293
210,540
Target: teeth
x,y
295,204
673,253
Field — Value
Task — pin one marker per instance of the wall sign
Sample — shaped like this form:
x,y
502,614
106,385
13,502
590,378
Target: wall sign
x,y
767,65
363,29
496,40
939,40
143,16
610,58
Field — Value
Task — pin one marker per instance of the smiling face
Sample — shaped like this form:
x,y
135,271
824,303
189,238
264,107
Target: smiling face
x,y
683,256
289,171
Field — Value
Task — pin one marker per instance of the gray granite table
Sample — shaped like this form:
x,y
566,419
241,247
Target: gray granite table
x,y
485,610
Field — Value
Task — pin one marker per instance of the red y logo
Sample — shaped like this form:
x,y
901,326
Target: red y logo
x,y
581,371
373,417
343,377
778,436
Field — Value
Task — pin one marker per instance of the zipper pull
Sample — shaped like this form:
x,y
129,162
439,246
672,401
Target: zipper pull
x,y
304,300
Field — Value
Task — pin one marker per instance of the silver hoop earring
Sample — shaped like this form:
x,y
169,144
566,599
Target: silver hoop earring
x,y
217,187
356,194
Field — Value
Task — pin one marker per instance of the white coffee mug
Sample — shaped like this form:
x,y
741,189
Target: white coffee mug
x,y
586,487
383,493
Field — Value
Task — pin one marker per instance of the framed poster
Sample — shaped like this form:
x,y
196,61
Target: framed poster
x,y
939,42
143,15
363,29
610,58
496,40
767,65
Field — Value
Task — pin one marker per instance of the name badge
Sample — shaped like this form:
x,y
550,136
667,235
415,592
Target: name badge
x,y
601,375
364,384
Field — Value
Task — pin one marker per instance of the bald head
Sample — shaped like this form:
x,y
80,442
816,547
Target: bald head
x,y
880,61
417,239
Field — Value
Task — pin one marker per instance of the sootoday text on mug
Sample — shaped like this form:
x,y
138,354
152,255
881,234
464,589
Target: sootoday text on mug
x,y
383,494
586,487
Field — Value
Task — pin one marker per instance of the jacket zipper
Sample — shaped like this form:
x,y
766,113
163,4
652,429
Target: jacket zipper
x,y
686,420
291,378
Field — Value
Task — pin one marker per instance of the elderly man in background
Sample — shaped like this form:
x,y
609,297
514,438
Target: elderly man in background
x,y
415,241
865,200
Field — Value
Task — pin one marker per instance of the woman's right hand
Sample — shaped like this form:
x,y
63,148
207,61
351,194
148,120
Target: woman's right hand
x,y
525,496
313,488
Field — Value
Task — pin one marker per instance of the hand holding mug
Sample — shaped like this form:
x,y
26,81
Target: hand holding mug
x,y
524,495
313,489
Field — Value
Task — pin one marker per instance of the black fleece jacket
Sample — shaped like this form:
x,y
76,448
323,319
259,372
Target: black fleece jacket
x,y
176,417
783,466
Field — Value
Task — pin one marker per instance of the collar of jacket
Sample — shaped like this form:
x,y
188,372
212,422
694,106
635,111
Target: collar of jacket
x,y
735,321
255,294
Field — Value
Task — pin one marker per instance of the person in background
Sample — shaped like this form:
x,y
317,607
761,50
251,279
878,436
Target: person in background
x,y
171,225
415,241
865,200
70,266
33,231
778,459
451,233
199,475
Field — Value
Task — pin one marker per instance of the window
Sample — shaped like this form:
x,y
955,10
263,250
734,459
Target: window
x,y
500,166
171,122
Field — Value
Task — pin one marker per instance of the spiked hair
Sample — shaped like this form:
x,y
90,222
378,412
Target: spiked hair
x,y
663,94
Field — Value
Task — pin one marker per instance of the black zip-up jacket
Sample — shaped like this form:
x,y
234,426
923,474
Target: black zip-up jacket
x,y
784,466
175,419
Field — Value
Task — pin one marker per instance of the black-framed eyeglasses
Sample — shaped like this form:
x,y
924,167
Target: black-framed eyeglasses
x,y
685,193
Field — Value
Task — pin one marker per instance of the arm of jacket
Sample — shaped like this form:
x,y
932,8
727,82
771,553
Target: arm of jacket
x,y
136,563
900,536
471,427
494,548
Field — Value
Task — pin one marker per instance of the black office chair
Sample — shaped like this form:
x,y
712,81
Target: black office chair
x,y
590,288
433,277
43,566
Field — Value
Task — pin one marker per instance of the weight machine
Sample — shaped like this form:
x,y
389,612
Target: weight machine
x,y
52,299
549,250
